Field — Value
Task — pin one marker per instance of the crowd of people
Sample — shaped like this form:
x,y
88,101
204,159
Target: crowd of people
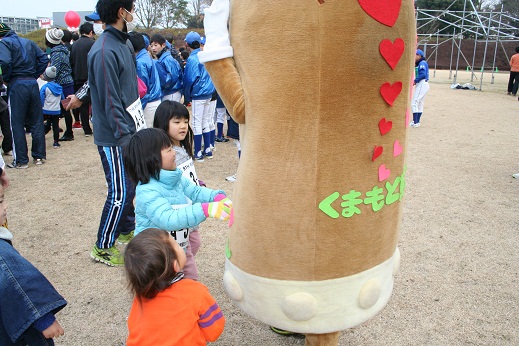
x,y
131,92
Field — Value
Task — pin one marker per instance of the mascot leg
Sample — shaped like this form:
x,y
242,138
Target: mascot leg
x,y
330,339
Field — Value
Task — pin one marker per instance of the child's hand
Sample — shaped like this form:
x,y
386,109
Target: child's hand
x,y
217,210
53,331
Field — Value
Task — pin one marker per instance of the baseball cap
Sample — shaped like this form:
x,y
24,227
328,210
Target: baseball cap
x,y
420,53
92,17
192,37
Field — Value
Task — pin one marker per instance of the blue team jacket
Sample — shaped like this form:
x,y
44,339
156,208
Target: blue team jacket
x,y
197,83
422,71
170,73
21,58
147,71
153,202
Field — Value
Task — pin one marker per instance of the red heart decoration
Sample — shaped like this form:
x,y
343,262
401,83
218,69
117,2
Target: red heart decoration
x,y
377,152
390,92
384,126
383,11
392,51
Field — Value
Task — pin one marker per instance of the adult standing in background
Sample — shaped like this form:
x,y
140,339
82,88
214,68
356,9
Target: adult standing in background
x,y
78,58
117,115
22,62
513,82
60,58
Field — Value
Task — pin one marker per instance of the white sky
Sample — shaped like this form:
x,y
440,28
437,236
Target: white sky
x,y
44,8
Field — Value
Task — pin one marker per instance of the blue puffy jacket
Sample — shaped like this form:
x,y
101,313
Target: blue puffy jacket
x,y
21,58
170,73
197,83
154,200
147,71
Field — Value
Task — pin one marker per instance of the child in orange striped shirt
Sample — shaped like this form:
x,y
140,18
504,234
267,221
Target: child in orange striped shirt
x,y
167,309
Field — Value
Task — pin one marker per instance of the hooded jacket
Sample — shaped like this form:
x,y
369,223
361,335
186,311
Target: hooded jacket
x,y
21,58
154,201
60,58
51,94
113,88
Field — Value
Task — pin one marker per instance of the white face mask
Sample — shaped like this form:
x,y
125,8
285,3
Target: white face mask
x,y
98,28
130,25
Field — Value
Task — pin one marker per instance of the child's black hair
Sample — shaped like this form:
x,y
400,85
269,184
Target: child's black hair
x,y
168,110
67,36
158,38
137,41
194,45
148,262
142,158
108,10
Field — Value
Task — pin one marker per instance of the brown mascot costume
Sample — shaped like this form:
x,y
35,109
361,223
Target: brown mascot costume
x,y
322,90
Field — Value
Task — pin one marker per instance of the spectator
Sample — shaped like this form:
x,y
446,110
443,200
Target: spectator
x,y
78,56
170,73
60,58
22,61
117,114
513,82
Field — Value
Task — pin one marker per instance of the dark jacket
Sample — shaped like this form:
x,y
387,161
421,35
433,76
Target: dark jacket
x,y
60,57
21,58
78,58
113,88
27,298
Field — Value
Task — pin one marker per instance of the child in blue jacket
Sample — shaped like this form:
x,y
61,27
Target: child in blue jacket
x,y
164,198
170,73
51,94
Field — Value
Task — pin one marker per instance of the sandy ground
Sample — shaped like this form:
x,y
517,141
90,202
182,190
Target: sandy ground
x,y
459,277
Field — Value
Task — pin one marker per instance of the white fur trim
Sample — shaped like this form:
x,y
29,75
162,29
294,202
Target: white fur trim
x,y
215,54
313,306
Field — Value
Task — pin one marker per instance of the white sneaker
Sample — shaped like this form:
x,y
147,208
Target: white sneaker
x,y
411,124
416,125
516,175
231,178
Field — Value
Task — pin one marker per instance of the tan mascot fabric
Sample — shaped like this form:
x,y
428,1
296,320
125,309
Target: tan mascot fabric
x,y
323,88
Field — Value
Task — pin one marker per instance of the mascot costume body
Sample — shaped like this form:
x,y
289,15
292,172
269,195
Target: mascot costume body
x,y
322,88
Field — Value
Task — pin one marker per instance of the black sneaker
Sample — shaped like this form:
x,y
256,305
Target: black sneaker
x,y
66,138
221,139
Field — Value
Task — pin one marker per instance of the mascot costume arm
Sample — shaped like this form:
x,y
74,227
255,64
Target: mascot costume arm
x,y
325,88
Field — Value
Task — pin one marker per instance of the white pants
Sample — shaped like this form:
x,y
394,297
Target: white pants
x,y
173,97
149,112
420,90
221,115
213,112
202,116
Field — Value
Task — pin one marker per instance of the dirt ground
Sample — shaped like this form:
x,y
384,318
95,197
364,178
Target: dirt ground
x,y
459,276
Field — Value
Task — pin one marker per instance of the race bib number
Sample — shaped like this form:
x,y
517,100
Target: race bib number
x,y
188,171
135,110
182,235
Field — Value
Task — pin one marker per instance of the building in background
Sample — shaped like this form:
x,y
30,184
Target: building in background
x,y
21,26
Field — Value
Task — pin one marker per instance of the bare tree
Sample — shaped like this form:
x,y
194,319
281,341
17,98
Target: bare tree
x,y
198,6
149,12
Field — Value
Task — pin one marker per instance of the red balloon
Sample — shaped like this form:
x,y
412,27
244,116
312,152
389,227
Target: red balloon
x,y
72,19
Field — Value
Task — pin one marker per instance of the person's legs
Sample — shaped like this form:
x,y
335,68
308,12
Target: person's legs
x,y
197,109
18,109
149,112
118,215
68,89
35,122
5,125
418,101
177,96
208,126
54,120
515,85
511,82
